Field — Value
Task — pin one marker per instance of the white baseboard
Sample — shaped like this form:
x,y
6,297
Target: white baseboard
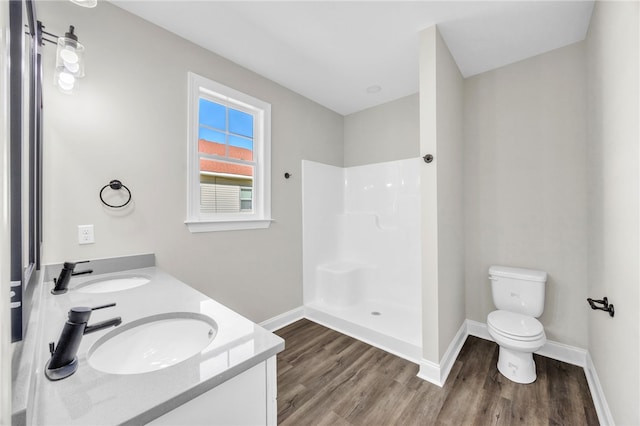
x,y
283,320
565,353
430,371
597,394
438,373
478,329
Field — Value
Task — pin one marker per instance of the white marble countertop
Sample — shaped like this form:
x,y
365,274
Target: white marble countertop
x,y
91,397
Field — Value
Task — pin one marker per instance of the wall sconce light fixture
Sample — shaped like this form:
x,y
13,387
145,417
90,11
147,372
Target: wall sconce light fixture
x,y
69,62
69,57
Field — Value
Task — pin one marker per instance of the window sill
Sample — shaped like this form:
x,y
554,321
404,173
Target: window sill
x,y
227,225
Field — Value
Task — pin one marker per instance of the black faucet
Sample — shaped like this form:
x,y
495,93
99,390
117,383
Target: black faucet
x,y
65,275
64,361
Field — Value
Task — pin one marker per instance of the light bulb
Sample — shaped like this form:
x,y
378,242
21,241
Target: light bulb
x,y
72,67
69,55
85,3
66,81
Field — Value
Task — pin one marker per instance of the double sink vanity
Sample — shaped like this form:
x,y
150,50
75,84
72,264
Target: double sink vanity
x,y
174,356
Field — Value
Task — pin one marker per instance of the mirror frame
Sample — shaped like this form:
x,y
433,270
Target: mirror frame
x,y
25,159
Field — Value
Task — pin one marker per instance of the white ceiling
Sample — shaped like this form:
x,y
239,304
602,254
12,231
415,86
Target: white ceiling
x,y
332,51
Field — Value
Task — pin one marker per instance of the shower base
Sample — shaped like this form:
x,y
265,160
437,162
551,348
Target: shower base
x,y
391,327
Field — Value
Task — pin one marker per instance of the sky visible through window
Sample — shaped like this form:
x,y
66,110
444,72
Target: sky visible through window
x,y
221,124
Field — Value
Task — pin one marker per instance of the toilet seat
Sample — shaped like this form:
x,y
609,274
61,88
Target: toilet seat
x,y
515,326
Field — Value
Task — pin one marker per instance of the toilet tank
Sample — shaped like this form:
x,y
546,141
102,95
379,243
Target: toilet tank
x,y
518,290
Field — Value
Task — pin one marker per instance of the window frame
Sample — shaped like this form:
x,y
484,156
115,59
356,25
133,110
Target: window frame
x,y
260,217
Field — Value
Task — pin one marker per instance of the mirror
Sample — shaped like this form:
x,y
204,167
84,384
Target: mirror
x,y
25,161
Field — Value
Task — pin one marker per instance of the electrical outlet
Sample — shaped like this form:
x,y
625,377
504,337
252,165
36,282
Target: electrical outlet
x,y
85,234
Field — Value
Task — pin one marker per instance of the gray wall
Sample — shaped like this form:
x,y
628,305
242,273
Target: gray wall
x,y
441,118
429,196
614,215
387,132
525,174
449,161
129,121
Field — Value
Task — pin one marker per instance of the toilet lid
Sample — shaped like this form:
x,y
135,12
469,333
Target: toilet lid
x,y
516,325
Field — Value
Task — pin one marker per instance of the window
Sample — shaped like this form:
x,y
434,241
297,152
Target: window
x,y
229,158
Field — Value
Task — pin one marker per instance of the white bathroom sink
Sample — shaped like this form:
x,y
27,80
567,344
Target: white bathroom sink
x,y
112,283
152,343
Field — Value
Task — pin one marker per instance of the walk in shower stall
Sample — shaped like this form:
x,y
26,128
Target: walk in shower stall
x,y
361,252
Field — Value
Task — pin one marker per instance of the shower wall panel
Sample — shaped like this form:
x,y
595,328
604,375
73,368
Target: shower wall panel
x,y
365,215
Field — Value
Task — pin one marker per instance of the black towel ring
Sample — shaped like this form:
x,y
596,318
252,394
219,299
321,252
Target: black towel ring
x,y
115,185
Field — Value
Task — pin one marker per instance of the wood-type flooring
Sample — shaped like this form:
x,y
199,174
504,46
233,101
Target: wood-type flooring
x,y
327,378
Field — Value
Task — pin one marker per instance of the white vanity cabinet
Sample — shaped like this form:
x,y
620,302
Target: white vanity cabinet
x,y
246,399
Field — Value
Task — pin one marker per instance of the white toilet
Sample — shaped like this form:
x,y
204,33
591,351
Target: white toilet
x,y
519,296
